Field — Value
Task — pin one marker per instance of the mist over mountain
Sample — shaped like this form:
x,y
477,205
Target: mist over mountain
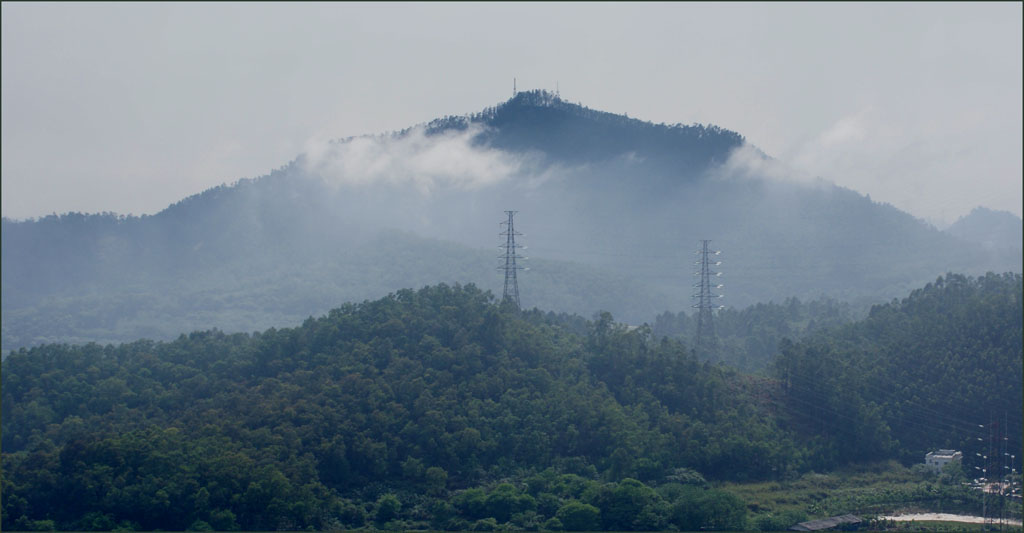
x,y
612,209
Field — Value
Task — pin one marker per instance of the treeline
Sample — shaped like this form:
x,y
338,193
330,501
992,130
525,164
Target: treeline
x,y
443,409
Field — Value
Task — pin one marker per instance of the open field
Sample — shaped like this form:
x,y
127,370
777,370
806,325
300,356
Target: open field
x,y
944,517
865,490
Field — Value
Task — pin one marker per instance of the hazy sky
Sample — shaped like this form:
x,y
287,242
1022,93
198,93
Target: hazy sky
x,y
131,107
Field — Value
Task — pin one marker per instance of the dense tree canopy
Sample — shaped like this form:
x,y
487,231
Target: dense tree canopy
x,y
393,403
441,408
941,368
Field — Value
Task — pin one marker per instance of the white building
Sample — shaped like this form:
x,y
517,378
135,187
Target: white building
x,y
938,459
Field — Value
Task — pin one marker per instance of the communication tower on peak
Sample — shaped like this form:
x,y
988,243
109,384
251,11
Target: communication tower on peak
x,y
511,291
706,297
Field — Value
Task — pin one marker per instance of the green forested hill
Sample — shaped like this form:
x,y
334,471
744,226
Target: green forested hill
x,y
440,408
942,368
421,393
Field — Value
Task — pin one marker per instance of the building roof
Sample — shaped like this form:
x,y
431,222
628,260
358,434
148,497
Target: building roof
x,y
826,523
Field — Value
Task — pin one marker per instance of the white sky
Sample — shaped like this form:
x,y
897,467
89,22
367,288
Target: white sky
x,y
131,107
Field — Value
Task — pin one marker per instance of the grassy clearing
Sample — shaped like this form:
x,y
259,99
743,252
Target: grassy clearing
x,y
865,490
936,525
812,491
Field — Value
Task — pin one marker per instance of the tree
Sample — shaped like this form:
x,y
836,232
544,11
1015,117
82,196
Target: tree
x,y
621,504
387,508
436,480
578,516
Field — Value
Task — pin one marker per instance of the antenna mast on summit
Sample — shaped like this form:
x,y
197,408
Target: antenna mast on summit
x,y
513,87
704,305
511,291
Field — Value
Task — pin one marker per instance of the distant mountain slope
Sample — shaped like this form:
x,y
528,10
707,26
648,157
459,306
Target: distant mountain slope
x,y
612,209
994,230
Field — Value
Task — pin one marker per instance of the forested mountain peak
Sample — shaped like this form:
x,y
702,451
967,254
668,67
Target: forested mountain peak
x,y
542,121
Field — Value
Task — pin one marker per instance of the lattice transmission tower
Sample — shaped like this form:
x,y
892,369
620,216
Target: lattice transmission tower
x,y
707,300
511,291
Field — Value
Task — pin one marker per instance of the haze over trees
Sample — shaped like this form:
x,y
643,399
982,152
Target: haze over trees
x,y
611,206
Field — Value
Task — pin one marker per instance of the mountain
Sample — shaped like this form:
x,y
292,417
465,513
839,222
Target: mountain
x,y
612,209
993,230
